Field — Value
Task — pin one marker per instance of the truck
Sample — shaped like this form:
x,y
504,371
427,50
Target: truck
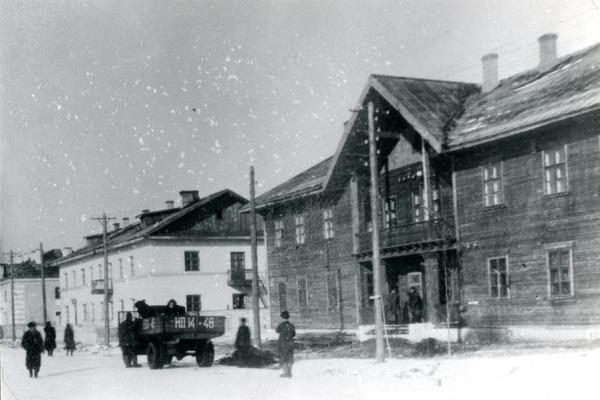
x,y
162,337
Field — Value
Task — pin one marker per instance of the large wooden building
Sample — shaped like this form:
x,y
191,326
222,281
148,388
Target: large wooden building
x,y
490,199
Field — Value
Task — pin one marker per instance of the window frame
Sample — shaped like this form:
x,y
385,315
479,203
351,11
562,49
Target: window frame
x,y
558,247
280,297
278,227
300,229
489,270
499,165
328,225
191,268
302,310
188,297
333,277
389,222
234,260
553,166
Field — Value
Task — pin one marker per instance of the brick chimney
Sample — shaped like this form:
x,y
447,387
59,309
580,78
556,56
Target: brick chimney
x,y
125,221
490,72
169,204
116,226
188,197
548,52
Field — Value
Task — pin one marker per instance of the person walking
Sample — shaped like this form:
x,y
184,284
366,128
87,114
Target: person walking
x,y
49,338
69,339
242,342
285,344
34,347
128,340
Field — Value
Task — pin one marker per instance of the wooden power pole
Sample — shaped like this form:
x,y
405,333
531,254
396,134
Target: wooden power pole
x,y
104,221
255,287
44,314
379,347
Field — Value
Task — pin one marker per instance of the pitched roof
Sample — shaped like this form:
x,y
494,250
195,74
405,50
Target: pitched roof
x,y
137,231
531,99
304,184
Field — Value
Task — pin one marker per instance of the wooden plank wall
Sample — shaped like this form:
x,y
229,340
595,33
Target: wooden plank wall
x,y
527,223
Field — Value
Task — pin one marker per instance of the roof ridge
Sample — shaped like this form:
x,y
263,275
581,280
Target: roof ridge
x,y
423,79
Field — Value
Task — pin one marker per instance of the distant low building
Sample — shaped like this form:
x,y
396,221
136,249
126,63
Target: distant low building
x,y
197,254
27,294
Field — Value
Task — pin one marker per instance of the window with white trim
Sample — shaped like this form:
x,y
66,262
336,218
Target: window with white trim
x,y
332,291
499,279
131,267
328,232
419,209
83,281
389,211
560,272
120,268
555,170
492,185
300,233
282,296
278,232
193,302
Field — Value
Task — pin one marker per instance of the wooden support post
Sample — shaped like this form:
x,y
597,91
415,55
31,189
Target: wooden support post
x,y
426,181
432,289
253,253
355,205
45,315
379,345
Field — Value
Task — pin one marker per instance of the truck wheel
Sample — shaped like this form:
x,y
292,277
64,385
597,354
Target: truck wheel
x,y
154,356
205,355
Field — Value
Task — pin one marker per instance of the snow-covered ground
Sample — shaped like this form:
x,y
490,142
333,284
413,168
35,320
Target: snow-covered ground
x,y
97,373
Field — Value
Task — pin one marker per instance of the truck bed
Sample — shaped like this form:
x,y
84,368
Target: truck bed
x,y
184,327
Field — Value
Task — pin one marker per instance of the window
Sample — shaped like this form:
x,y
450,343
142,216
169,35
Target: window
x,y
83,281
192,261
193,302
332,291
85,312
101,311
278,233
299,222
420,212
100,272
56,293
66,281
91,274
492,185
122,305
389,210
74,278
67,313
238,301
110,271
555,170
499,282
559,265
238,266
302,295
93,311
120,268
282,296
328,231
131,267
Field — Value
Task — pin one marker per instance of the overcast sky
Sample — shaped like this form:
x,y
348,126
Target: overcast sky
x,y
97,97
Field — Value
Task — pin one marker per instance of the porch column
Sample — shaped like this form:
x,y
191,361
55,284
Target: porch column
x,y
426,180
432,287
355,205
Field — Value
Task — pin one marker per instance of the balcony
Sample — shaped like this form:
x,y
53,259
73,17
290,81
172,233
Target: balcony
x,y
404,237
241,279
98,286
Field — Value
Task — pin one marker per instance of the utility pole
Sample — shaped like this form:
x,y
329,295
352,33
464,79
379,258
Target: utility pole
x,y
379,352
43,284
255,289
104,221
12,295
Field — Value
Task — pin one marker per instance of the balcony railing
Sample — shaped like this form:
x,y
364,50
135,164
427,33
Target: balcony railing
x,y
98,286
402,235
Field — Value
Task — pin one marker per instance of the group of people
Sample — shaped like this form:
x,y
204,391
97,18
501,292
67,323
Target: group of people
x,y
34,345
412,312
285,343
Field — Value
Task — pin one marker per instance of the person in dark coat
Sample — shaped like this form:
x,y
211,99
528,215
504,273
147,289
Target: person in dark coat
x,y
174,309
34,346
285,344
394,307
128,340
49,338
69,339
242,342
415,305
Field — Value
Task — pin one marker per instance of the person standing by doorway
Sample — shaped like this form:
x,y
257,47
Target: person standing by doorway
x,y
49,338
34,347
415,305
69,339
285,344
394,306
